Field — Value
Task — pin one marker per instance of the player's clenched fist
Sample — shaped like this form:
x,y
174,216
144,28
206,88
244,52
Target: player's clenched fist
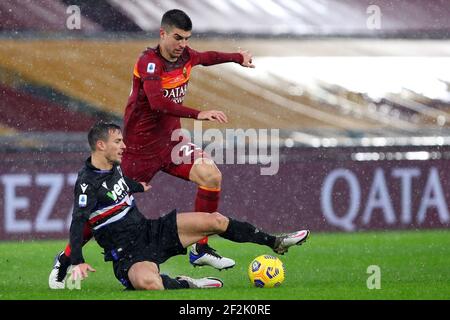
x,y
248,59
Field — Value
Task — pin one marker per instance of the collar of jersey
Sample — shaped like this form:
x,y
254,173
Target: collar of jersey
x,y
96,170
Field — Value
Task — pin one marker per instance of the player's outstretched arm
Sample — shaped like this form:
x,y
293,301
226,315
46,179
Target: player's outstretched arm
x,y
213,115
209,58
153,90
137,186
85,200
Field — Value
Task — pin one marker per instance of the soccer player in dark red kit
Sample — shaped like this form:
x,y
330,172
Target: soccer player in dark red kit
x,y
153,112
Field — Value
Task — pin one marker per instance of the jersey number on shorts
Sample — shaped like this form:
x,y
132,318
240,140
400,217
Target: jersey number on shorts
x,y
187,150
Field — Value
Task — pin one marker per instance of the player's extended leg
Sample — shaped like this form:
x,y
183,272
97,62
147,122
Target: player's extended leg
x,y
197,167
145,275
208,177
194,226
56,279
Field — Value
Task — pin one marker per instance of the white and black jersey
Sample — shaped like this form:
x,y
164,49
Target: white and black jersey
x,y
102,197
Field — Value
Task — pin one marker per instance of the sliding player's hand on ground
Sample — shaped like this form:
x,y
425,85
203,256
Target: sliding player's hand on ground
x,y
80,271
213,115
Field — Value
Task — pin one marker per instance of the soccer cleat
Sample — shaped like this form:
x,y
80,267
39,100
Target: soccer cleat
x,y
202,283
282,243
56,279
204,255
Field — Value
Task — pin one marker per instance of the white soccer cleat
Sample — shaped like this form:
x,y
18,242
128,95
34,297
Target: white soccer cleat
x,y
204,255
56,279
282,243
202,283
53,283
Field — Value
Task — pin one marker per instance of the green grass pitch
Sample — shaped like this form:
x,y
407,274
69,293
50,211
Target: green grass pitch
x,y
413,265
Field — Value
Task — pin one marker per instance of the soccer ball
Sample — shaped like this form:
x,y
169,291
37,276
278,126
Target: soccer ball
x,y
266,271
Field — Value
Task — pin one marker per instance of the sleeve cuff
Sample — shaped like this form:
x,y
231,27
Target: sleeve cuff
x,y
76,261
239,58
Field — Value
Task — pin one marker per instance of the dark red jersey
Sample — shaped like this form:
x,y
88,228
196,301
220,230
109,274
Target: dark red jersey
x,y
155,105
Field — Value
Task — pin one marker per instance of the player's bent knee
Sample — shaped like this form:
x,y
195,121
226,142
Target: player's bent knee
x,y
145,276
219,222
215,178
210,176
149,282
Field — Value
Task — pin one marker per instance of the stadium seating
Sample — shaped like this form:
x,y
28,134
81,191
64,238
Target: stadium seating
x,y
90,77
40,15
6,131
291,17
24,112
261,18
99,74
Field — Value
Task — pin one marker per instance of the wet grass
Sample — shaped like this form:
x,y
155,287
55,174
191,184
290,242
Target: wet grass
x,y
412,265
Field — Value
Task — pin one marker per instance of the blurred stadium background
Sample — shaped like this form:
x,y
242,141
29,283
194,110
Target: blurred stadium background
x,y
359,89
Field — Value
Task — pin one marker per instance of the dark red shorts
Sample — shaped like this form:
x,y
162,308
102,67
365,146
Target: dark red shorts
x,y
176,162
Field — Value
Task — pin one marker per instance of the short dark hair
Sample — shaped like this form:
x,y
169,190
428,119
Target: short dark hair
x,y
100,131
176,18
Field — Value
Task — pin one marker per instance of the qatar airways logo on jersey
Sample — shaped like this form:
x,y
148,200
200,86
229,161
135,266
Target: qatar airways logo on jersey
x,y
236,146
176,94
